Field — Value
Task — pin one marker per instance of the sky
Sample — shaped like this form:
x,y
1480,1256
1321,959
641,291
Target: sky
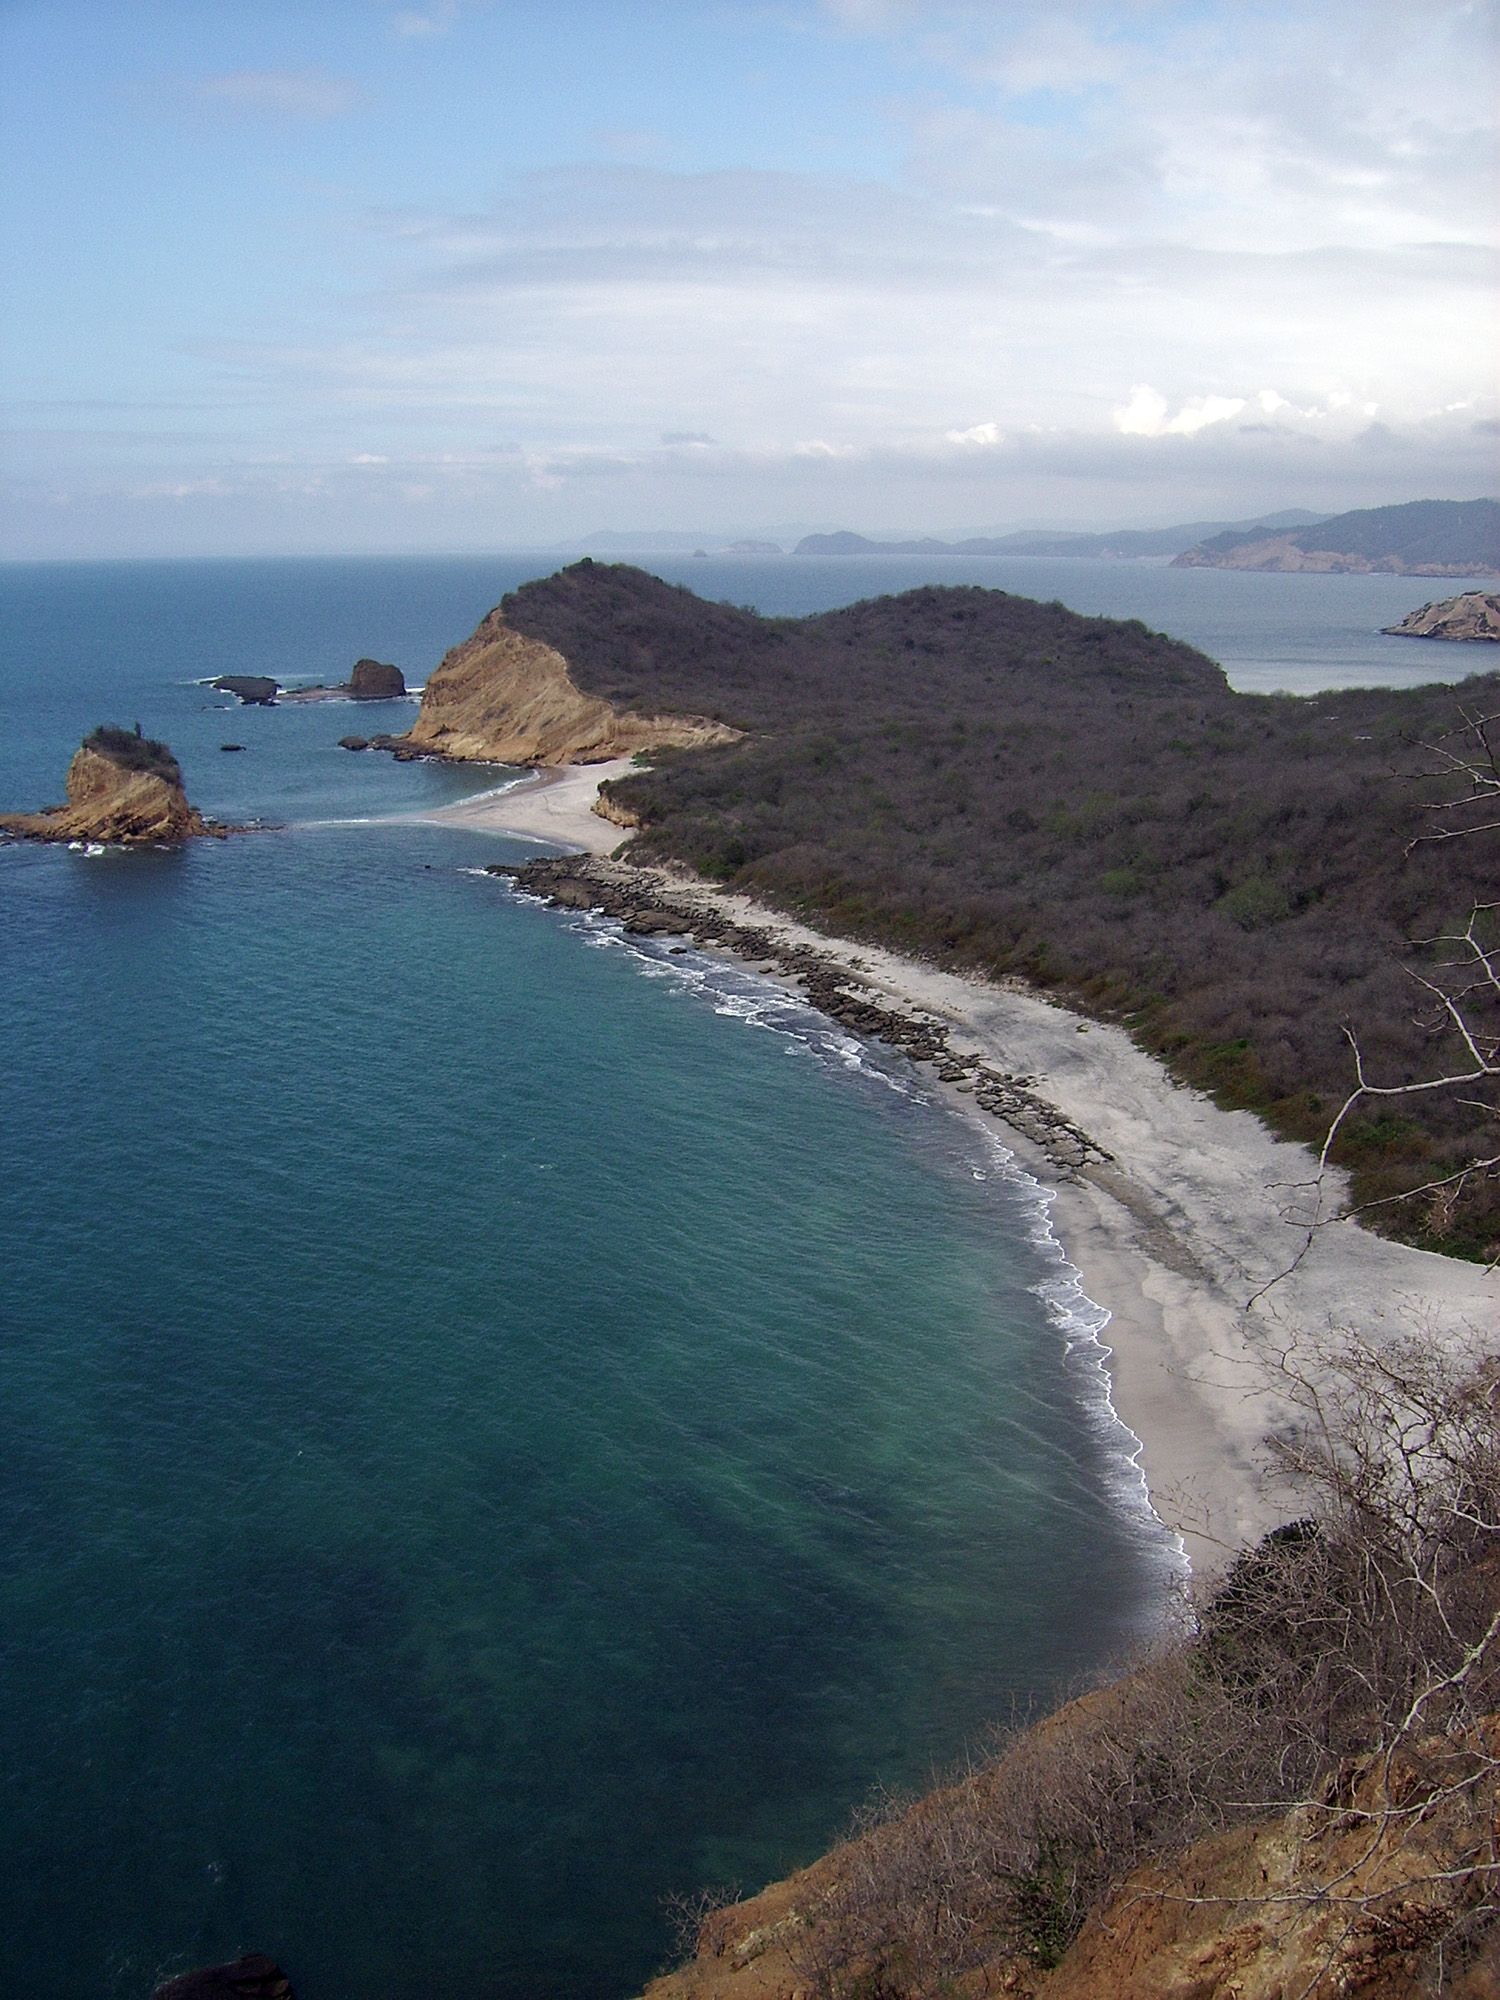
x,y
473,274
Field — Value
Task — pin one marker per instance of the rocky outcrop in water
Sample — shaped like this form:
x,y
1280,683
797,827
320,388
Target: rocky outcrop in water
x,y
122,787
369,680
502,698
253,1977
1474,615
254,690
374,680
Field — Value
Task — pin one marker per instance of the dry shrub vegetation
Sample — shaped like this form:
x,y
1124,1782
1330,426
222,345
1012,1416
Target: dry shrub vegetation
x,y
133,751
1348,1667
1006,786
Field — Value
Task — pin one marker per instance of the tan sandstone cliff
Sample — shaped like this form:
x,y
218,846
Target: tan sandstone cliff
x,y
1342,1895
1474,615
505,699
118,796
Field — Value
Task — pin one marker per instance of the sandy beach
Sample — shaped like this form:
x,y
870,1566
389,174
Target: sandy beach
x,y
554,805
1194,1235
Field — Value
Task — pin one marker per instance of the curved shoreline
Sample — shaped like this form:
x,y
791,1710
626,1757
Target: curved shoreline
x,y
1067,1310
1187,1223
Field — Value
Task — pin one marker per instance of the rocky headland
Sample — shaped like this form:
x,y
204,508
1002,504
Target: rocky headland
x,y
503,698
122,788
1473,615
1421,538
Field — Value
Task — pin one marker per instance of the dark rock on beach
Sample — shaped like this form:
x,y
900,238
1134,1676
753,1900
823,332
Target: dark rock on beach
x,y
646,907
253,1977
255,690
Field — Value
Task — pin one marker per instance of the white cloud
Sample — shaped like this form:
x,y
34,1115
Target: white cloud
x,y
1251,215
600,308
436,19
278,93
1145,415
1281,126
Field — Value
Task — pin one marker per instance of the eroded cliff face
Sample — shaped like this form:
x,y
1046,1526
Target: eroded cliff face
x,y
109,802
1474,615
1345,1894
504,699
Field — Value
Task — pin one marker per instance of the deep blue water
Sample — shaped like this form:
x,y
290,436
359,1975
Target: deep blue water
x,y
498,1424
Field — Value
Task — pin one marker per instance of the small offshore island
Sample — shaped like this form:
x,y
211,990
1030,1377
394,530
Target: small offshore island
x,y
1473,615
369,680
124,788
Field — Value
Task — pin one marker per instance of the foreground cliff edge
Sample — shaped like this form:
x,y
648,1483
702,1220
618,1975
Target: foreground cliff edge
x,y
1293,1798
124,788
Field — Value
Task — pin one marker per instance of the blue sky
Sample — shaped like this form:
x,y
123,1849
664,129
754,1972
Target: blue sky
x,y
482,273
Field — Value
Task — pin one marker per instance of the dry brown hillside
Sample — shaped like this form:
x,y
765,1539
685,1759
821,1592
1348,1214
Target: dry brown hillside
x,y
1296,1799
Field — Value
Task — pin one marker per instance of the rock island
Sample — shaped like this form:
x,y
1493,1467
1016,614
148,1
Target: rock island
x,y
123,787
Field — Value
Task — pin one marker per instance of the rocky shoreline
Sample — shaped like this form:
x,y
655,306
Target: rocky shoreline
x,y
646,906
1473,615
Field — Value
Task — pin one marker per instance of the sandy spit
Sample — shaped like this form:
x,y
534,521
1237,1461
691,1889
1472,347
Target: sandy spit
x,y
555,806
1195,1238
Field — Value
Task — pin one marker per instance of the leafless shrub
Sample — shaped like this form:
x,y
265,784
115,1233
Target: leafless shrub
x,y
1366,1629
689,1912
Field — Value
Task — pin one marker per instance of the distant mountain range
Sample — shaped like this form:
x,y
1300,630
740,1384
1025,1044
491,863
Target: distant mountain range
x,y
1422,538
1119,542
1419,538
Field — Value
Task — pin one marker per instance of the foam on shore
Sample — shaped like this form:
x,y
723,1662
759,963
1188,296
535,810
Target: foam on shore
x,y
1192,1233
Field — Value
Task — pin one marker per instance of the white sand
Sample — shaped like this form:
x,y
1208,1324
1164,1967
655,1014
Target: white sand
x,y
1178,1239
555,806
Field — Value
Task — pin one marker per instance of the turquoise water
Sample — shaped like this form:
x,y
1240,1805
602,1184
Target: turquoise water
x,y
499,1424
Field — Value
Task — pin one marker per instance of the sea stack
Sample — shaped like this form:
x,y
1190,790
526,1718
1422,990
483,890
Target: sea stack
x,y
1474,615
373,680
122,787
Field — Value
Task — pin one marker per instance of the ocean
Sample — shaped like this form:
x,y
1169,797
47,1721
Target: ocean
x,y
503,1424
